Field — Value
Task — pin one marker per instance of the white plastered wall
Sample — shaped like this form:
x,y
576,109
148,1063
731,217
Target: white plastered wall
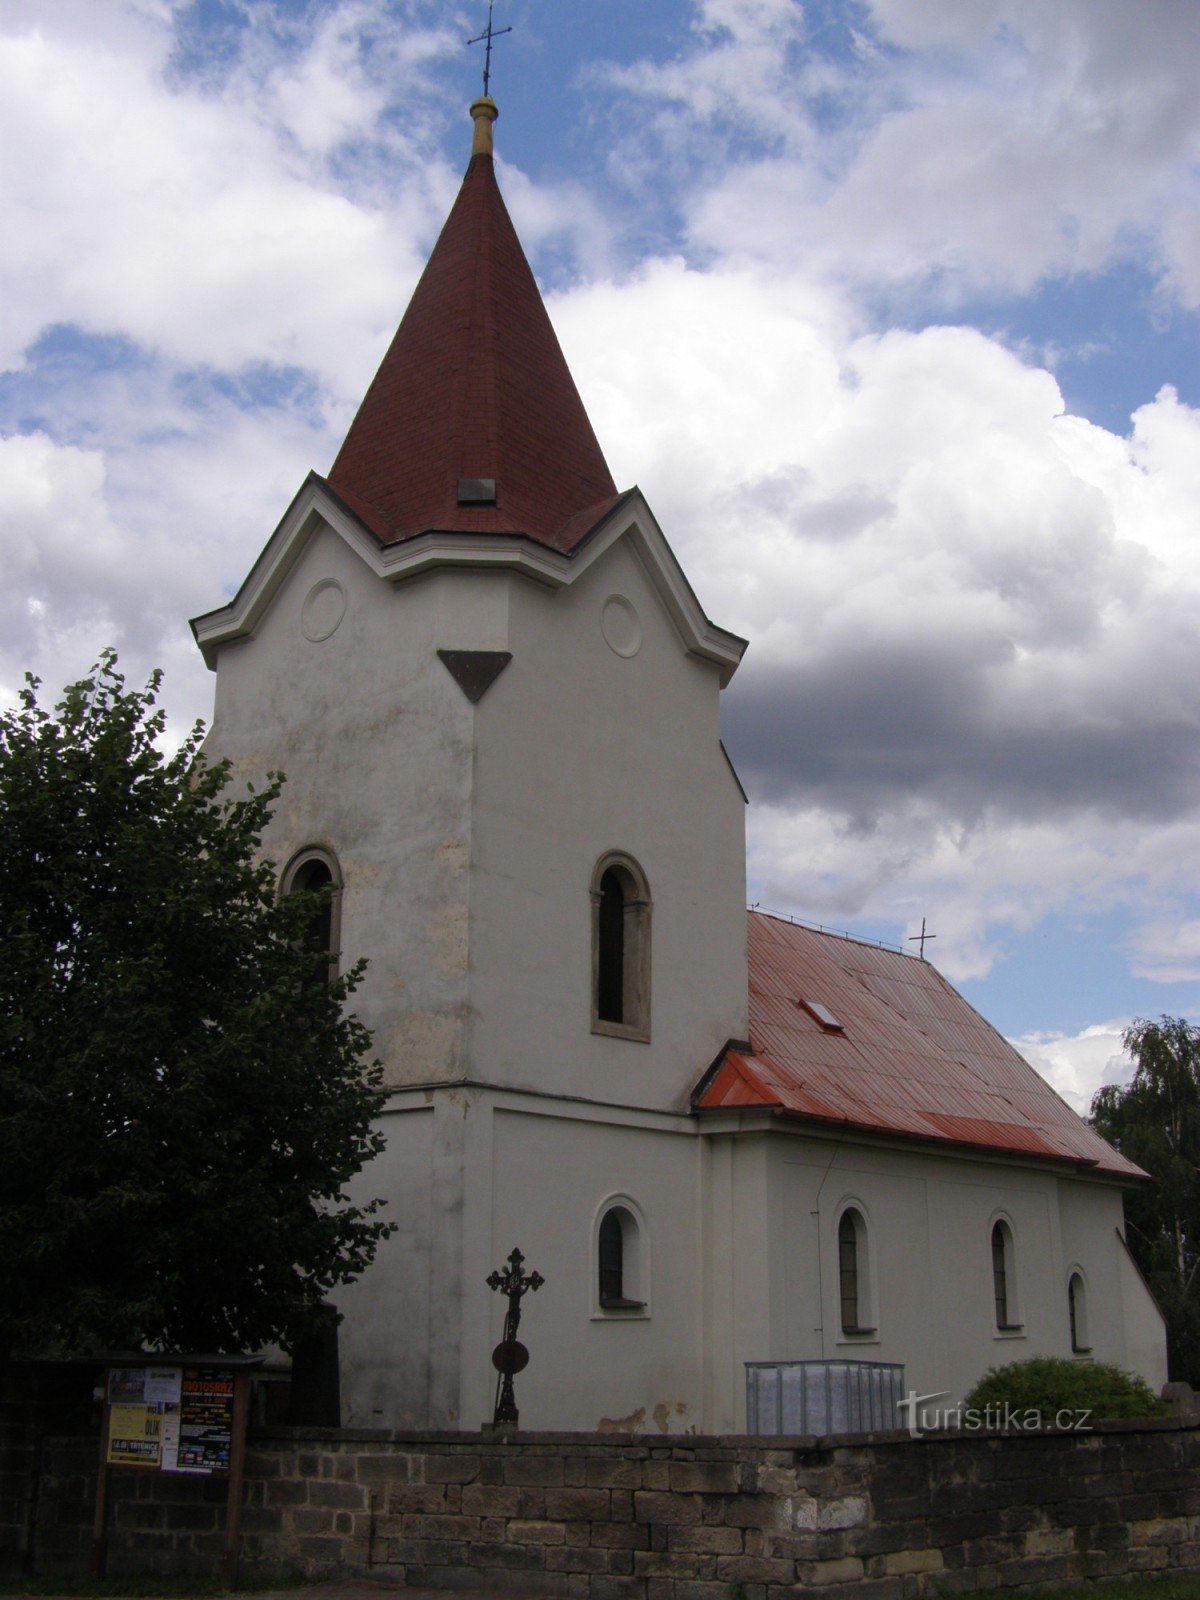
x,y
581,750
929,1219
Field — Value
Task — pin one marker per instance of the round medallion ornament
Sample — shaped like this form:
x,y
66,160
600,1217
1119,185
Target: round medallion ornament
x,y
323,609
511,1356
621,626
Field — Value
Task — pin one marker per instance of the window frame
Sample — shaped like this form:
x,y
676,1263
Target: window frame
x,y
636,918
1077,1312
634,1302
1006,1298
865,1327
325,857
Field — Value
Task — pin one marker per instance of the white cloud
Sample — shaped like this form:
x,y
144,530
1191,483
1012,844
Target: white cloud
x,y
1076,1065
971,684
190,221
954,149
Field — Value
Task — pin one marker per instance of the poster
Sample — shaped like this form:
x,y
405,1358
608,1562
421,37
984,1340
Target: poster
x,y
176,1419
205,1420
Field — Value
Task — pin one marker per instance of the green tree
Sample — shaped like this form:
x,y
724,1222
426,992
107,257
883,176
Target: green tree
x,y
181,1105
1155,1121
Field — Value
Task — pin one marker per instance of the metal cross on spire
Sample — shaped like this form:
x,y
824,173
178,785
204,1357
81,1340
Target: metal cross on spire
x,y
489,33
921,938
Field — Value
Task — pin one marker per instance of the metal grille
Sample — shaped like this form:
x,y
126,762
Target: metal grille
x,y
822,1397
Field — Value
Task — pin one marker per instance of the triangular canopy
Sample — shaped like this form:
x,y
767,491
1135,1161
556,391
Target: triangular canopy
x,y
474,398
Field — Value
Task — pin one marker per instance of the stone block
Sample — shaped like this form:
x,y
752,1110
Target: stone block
x,y
488,1500
287,1492
710,1540
843,1569
754,1569
340,1496
620,1535
1039,1569
430,1552
454,1469
614,1588
415,1497
505,1557
546,1471
591,1505
672,1564
898,1563
1049,1541
1147,1558
650,1506
379,1468
615,1475
419,1525
521,1531
704,1477
576,1558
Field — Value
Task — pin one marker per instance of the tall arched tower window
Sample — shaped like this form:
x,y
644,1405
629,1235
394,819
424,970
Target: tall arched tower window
x,y
620,899
311,870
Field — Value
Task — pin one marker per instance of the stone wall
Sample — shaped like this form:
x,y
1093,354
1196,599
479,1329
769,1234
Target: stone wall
x,y
605,1517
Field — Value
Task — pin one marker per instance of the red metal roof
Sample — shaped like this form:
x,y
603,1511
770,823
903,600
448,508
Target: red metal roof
x,y
475,386
913,1057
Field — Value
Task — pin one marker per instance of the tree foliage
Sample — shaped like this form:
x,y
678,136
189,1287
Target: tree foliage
x,y
1155,1121
182,1100
1052,1386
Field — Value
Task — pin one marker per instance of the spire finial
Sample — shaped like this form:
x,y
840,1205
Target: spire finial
x,y
489,33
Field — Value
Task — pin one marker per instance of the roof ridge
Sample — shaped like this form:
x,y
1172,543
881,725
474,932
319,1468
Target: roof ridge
x,y
790,920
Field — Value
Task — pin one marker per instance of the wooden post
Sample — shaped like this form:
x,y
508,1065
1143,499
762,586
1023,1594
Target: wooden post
x,y
99,1555
237,1466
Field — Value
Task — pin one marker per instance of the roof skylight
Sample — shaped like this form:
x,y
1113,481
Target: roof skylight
x,y
821,1013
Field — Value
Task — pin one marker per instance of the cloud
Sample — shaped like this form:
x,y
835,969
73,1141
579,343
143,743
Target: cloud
x,y
1076,1065
947,150
206,226
971,683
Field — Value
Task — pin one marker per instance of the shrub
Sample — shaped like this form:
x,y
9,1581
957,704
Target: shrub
x,y
1051,1385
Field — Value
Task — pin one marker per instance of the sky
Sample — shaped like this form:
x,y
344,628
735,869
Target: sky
x,y
890,307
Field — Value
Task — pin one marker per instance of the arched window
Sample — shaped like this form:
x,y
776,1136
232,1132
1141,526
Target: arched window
x,y
1004,1278
853,1275
309,872
620,1261
620,948
1077,1312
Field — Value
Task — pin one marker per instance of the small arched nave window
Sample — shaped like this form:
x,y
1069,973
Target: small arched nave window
x,y
621,1259
620,897
854,1273
1004,1278
1077,1314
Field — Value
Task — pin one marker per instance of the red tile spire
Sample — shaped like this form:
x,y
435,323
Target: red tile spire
x,y
474,391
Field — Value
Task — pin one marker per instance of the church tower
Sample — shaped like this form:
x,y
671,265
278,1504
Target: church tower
x,y
495,698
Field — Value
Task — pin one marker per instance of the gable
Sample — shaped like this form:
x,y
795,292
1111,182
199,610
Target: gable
x,y
907,1055
317,506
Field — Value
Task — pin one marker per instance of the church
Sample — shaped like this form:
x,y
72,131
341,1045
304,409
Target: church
x,y
720,1137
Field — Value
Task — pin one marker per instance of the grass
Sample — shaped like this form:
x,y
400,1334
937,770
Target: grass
x,y
1180,1586
149,1586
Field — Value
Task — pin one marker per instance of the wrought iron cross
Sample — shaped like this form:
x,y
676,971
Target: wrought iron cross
x,y
510,1355
489,33
920,938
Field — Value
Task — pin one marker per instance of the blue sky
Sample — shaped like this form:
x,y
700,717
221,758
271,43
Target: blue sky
x,y
889,306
